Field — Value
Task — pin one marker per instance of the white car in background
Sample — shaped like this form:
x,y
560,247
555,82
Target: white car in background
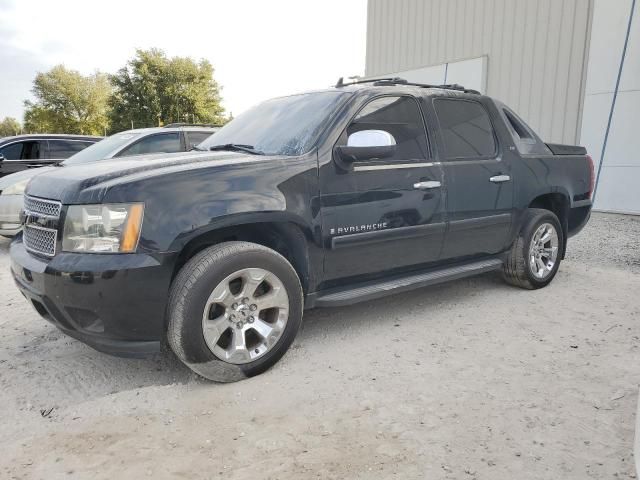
x,y
172,138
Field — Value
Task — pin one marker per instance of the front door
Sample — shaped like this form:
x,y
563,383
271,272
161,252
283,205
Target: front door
x,y
479,184
382,214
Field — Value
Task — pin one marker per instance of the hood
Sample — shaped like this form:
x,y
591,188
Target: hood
x,y
8,180
89,183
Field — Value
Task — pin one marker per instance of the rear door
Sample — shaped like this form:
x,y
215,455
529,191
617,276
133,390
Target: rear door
x,y
21,155
381,215
479,193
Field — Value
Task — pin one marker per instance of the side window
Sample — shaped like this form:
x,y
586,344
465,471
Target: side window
x,y
13,151
194,138
466,129
518,127
65,148
160,143
401,118
22,151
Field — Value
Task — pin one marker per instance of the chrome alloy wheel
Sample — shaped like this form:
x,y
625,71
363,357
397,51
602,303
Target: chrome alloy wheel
x,y
245,315
543,251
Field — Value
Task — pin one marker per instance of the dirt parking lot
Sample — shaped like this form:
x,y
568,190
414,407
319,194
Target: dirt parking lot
x,y
468,380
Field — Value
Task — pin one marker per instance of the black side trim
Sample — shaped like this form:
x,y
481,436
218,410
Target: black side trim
x,y
366,238
559,149
371,290
469,223
581,203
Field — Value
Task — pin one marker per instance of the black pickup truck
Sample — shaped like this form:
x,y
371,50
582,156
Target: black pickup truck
x,y
319,199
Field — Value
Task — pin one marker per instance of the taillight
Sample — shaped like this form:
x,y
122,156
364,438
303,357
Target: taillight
x,y
592,173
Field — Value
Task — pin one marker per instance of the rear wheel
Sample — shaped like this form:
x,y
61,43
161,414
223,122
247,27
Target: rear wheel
x,y
535,256
234,310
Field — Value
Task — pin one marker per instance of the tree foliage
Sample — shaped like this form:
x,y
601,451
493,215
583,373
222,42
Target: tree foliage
x,y
68,102
154,90
9,126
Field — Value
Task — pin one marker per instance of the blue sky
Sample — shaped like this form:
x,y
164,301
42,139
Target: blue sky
x,y
259,49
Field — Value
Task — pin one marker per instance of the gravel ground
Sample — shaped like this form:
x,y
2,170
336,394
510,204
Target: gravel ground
x,y
468,380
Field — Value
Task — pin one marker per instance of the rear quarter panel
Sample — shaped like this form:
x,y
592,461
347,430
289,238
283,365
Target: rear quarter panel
x,y
541,174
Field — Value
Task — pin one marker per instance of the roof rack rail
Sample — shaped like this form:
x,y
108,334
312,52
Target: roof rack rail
x,y
181,124
380,82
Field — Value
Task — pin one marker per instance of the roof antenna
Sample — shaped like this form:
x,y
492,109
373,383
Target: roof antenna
x,y
340,83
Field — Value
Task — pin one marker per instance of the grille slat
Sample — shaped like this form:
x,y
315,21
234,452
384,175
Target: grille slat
x,y
39,206
40,240
36,237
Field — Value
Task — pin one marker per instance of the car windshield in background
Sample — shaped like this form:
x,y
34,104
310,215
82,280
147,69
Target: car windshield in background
x,y
101,149
281,126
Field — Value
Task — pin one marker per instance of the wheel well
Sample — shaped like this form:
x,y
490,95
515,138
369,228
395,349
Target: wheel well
x,y
558,204
285,238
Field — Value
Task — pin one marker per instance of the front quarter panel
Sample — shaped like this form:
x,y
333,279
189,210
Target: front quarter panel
x,y
183,204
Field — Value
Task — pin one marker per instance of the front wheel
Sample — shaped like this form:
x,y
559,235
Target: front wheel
x,y
234,310
535,256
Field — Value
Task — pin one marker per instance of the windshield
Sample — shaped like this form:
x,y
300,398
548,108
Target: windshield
x,y
281,126
101,149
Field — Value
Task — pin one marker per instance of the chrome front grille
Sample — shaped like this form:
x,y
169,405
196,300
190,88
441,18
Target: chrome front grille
x,y
41,217
40,240
42,207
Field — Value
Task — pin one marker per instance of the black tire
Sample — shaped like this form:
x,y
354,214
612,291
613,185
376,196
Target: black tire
x,y
516,270
191,289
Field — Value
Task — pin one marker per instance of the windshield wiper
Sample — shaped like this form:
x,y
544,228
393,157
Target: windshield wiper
x,y
237,147
195,147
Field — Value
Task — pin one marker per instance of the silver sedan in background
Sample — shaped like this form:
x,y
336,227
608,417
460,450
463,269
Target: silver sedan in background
x,y
170,139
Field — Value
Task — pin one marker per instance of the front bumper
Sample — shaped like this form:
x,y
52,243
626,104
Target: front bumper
x,y
115,303
10,208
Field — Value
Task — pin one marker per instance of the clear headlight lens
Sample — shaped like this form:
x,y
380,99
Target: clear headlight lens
x,y
104,228
16,188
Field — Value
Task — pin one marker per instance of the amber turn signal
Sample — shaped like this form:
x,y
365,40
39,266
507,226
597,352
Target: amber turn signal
x,y
131,232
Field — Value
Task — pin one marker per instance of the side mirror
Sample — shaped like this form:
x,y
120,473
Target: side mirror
x,y
1,157
367,145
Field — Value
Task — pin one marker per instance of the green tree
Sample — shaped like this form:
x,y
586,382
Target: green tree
x,y
68,102
9,126
154,90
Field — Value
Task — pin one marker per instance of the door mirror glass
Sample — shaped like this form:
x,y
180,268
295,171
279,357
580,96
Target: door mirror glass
x,y
371,138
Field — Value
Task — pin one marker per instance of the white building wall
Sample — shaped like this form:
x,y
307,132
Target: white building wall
x,y
471,73
535,50
619,183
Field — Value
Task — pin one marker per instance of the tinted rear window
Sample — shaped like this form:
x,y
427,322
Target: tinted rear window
x,y
65,148
159,143
194,138
466,129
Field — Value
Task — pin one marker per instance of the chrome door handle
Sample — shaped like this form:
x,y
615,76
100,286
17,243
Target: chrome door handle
x,y
500,178
427,185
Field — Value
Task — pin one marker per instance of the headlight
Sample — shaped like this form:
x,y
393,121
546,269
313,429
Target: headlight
x,y
16,188
103,228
